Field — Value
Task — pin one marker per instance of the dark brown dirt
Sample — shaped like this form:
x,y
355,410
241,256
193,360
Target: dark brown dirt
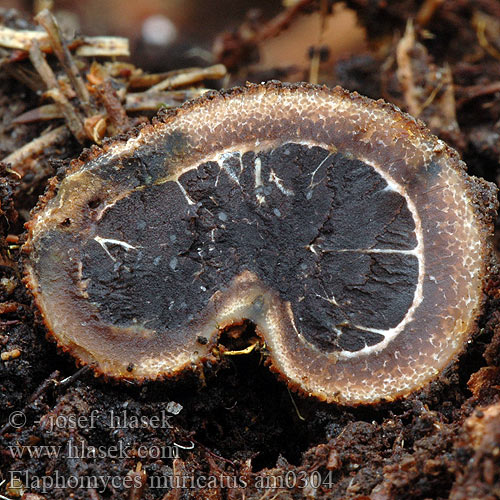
x,y
241,433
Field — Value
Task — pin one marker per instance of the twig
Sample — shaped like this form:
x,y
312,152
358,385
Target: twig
x,y
36,146
316,55
212,454
41,389
9,322
40,5
22,39
103,46
475,91
26,76
295,406
107,96
189,76
47,20
282,20
9,307
89,46
43,113
151,101
65,383
427,11
231,48
73,121
481,23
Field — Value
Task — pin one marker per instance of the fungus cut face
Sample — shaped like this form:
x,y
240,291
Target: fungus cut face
x,y
343,229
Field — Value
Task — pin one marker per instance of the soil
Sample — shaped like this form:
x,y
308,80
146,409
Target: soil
x,y
233,431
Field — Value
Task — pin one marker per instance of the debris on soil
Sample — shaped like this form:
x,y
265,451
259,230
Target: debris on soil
x,y
233,431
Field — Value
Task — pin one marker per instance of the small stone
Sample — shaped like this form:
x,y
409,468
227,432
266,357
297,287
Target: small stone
x,y
174,408
9,355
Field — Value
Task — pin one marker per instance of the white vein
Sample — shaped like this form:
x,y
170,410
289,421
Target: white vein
x,y
110,241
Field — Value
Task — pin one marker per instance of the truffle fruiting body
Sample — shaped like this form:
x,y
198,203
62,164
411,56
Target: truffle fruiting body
x,y
349,235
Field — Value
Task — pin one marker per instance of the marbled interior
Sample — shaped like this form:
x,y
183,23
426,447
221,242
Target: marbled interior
x,y
326,232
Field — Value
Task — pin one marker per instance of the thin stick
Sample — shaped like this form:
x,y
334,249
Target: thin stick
x,y
316,55
73,121
151,101
41,389
65,383
103,46
190,76
88,46
42,113
47,20
36,146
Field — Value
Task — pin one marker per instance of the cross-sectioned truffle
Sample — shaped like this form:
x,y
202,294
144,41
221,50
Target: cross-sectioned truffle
x,y
342,228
